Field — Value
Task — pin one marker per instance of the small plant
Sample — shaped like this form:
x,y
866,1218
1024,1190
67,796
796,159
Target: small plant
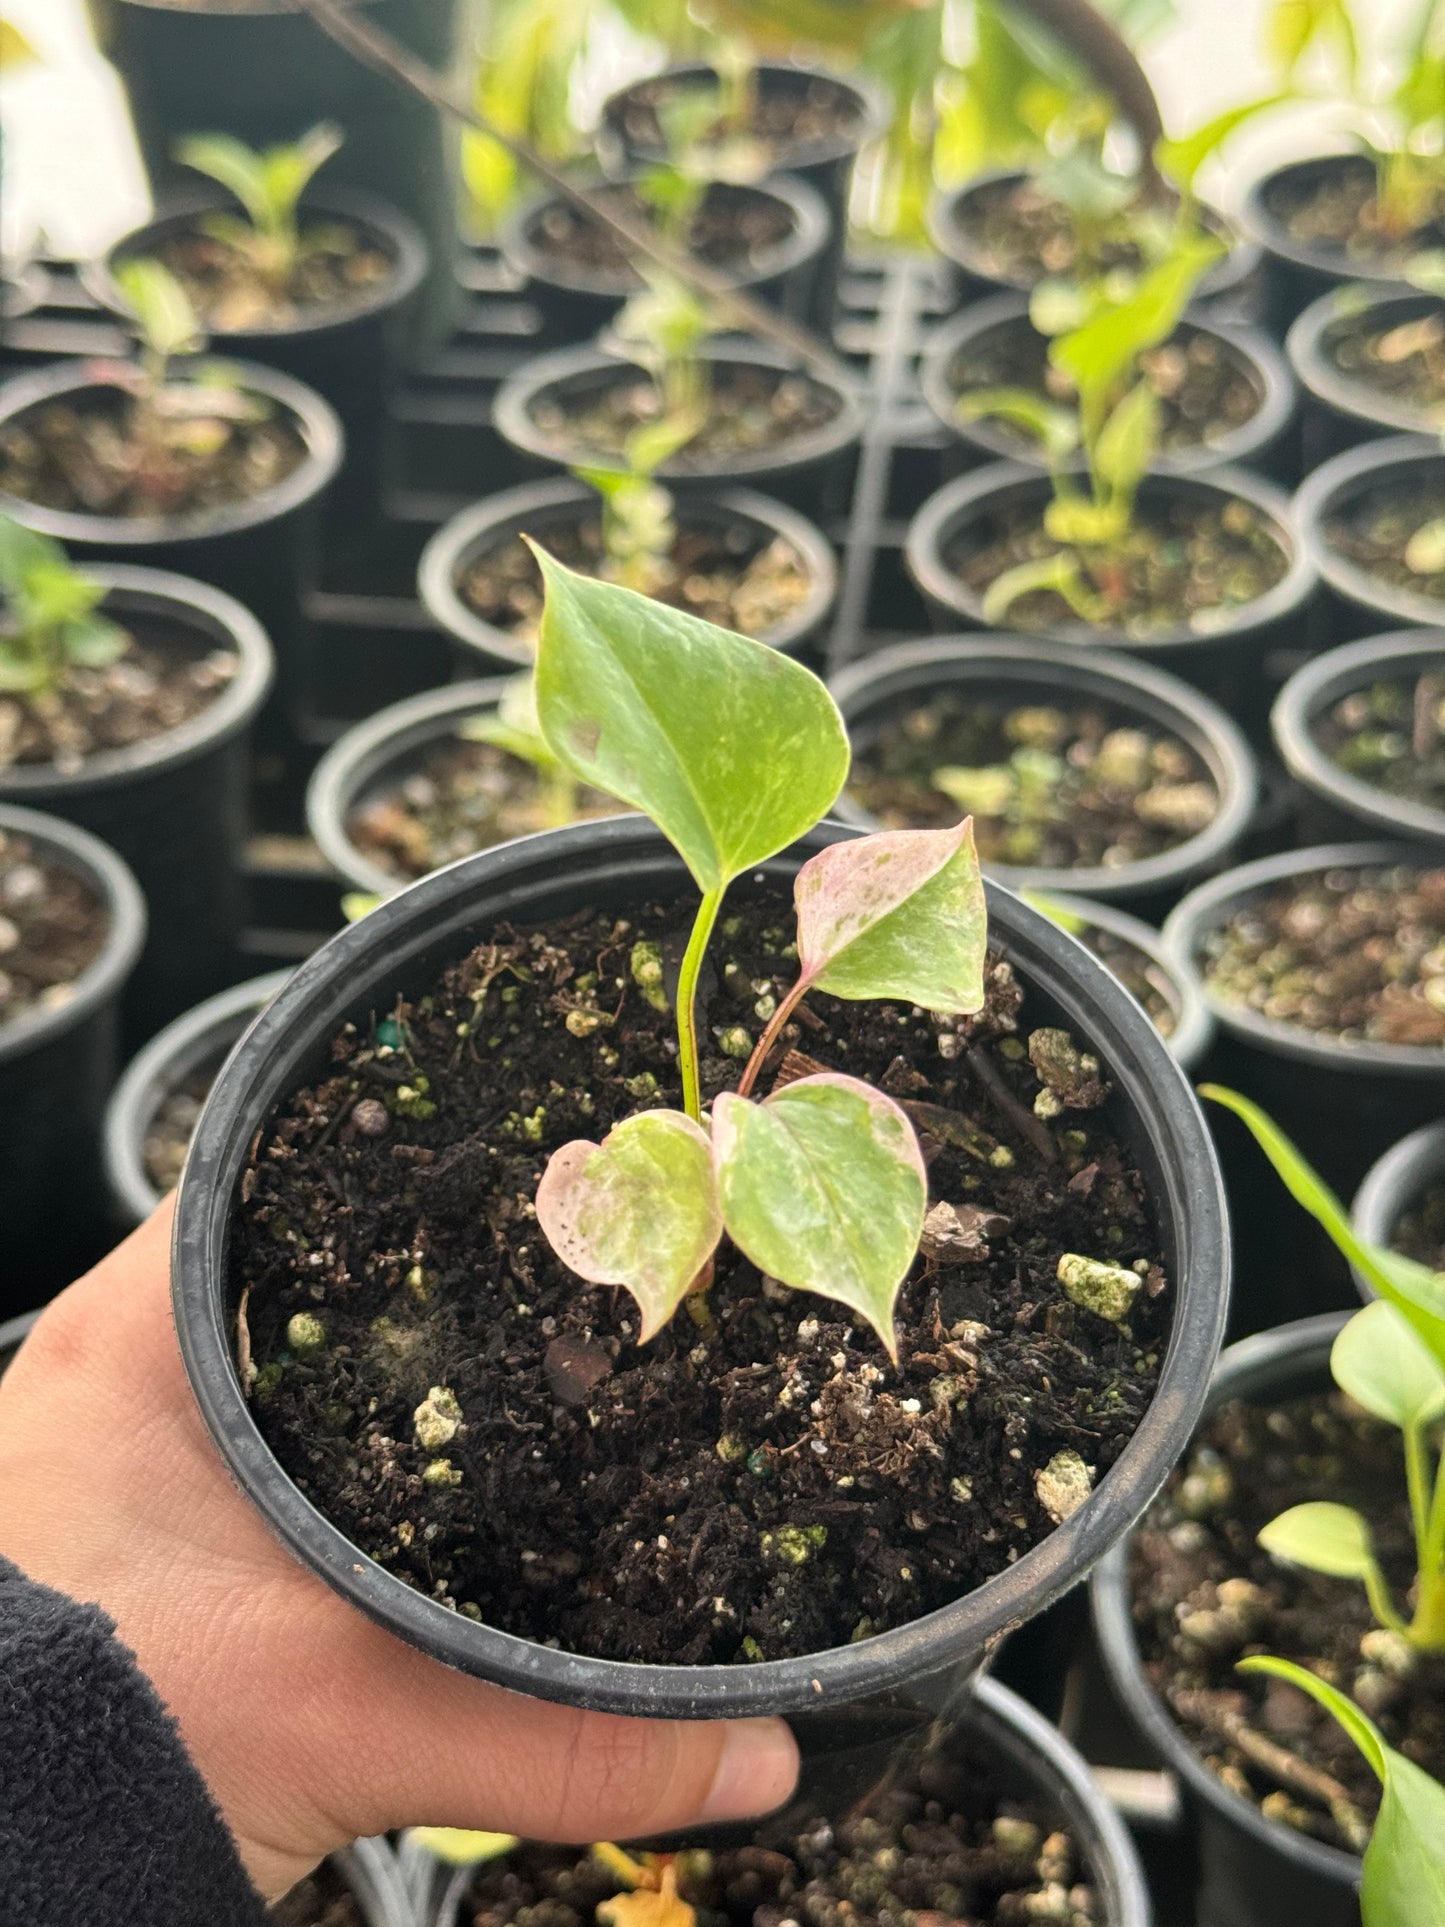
x,y
49,623
735,751
269,187
663,329
513,726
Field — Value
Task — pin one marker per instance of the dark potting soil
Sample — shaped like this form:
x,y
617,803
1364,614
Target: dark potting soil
x,y
1020,234
735,229
1336,209
1146,981
753,409
335,267
1392,736
1047,786
93,455
1206,1595
53,926
1184,564
1353,954
939,1847
1404,362
1204,387
783,125
321,1900
1396,533
775,1487
1420,1231
732,574
463,797
167,676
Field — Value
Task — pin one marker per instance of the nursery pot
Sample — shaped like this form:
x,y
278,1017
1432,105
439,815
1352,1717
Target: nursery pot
x,y
175,805
880,687
629,134
193,1046
1357,602
56,1067
809,471
1034,1765
1253,1872
1339,408
955,225
371,1873
612,865
260,551
986,327
1340,802
1228,659
1395,1183
264,72
537,508
578,298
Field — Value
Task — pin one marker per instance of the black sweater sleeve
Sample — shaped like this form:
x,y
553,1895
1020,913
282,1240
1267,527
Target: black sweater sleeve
x,y
104,1821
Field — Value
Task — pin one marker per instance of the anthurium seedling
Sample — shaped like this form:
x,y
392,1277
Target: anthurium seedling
x,y
1403,1882
269,186
50,622
735,751
513,726
663,329
638,527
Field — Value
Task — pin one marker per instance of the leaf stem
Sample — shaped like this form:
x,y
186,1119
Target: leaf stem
x,y
697,944
770,1035
1417,1476
1427,1628
1381,1604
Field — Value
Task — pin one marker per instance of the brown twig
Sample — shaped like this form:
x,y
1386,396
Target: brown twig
x,y
1014,1109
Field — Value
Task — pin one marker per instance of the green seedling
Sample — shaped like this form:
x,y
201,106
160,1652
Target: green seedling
x,y
735,751
513,726
1403,1882
663,329
50,622
638,525
269,186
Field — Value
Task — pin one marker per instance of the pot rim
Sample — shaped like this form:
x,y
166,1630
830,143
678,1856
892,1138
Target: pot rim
x,y
1392,1184
1330,486
314,419
629,851
1149,692
875,114
1270,233
1318,375
461,540
1325,679
370,1868
14,1331
1206,907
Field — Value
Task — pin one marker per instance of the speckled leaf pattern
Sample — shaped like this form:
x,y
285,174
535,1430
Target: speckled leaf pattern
x,y
900,914
732,749
639,1210
823,1187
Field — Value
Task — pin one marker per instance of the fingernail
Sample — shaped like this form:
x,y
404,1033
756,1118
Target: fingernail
x,y
756,1771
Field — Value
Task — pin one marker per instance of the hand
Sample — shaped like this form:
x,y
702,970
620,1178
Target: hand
x,y
310,1725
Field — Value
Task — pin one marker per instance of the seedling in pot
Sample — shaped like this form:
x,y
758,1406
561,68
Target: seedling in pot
x,y
513,726
50,623
269,186
663,329
735,751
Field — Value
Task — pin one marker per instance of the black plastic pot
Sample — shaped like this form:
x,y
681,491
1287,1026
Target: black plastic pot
x,y
629,134
56,1067
952,224
262,551
1034,1765
538,507
1259,441
1394,1183
1253,1872
195,1044
576,301
175,807
1230,662
1358,603
878,688
350,354
1339,802
263,71
810,471
400,946
1338,409
1193,1030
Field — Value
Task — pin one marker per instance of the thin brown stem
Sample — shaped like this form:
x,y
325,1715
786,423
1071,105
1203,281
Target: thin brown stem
x,y
1113,63
770,1035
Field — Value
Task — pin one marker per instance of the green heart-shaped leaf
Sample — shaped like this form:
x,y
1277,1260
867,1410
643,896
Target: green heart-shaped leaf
x,y
1327,1538
1381,1364
639,1210
823,1187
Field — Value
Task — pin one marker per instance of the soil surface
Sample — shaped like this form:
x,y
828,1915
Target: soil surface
x,y
460,798
1381,533
1020,234
1205,388
1147,982
86,454
321,1900
1334,209
754,409
1392,736
1205,1595
1420,1231
1404,362
727,573
53,926
1187,563
337,266
1050,787
1353,954
784,124
166,677
736,229
169,1132
938,1846
771,1487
